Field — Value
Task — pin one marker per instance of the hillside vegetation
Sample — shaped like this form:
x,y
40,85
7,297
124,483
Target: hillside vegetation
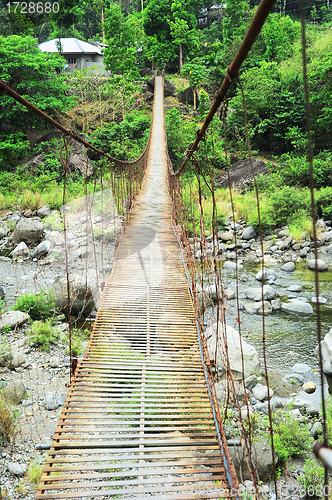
x,y
193,41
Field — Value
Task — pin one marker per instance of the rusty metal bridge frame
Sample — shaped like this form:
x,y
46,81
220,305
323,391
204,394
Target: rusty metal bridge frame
x,y
139,420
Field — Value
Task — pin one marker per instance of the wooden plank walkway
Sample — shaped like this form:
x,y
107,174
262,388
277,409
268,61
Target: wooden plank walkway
x,y
138,421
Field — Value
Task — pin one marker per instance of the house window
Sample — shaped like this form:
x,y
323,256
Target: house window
x,y
72,60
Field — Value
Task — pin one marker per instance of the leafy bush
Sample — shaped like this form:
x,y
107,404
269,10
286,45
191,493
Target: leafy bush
x,y
294,170
54,222
290,436
78,336
312,479
324,202
39,306
287,201
43,334
125,140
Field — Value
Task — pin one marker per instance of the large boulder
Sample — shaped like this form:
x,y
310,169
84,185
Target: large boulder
x,y
269,293
236,348
262,459
249,233
241,173
257,308
12,319
321,265
298,307
269,275
83,293
187,96
13,392
169,87
326,347
28,230
20,251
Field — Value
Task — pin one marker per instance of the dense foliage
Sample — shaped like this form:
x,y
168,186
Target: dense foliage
x,y
197,39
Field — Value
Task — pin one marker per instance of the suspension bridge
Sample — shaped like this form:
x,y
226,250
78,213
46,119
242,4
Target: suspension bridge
x,y
140,419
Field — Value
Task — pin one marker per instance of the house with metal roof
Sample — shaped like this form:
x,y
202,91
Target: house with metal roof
x,y
78,54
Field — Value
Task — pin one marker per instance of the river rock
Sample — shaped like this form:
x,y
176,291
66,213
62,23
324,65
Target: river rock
x,y
262,460
318,300
13,392
325,237
250,382
17,358
297,307
226,236
256,293
262,407
276,403
28,230
3,231
326,347
225,391
257,308
288,267
16,469
20,251
305,406
12,319
303,252
42,249
321,265
269,275
54,362
316,429
309,387
276,304
262,392
55,399
283,245
83,293
230,293
186,96
44,211
246,412
294,376
249,233
2,293
234,342
295,288
301,368
228,264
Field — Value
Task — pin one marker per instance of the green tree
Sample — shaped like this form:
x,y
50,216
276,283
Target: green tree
x,y
182,29
124,39
234,27
32,74
170,27
197,73
14,23
275,106
279,33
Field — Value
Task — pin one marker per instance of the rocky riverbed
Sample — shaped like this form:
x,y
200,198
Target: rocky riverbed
x,y
38,379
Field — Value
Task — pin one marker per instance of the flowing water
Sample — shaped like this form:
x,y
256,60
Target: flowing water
x,y
290,338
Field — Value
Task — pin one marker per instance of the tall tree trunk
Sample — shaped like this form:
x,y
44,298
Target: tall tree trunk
x,y
102,23
180,57
195,103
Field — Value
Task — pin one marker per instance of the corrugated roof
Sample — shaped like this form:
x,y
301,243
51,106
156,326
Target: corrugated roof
x,y
70,46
